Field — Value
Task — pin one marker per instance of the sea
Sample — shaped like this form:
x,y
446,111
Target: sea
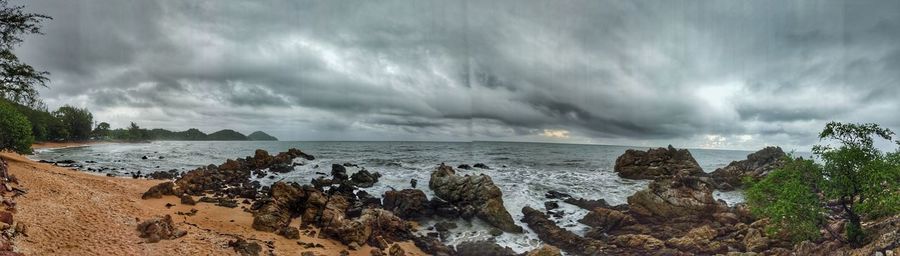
x,y
523,171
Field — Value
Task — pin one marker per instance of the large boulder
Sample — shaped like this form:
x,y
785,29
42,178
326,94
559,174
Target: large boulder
x,y
407,203
159,228
699,240
476,192
159,190
679,196
483,248
364,179
757,165
607,219
285,201
375,227
550,233
653,163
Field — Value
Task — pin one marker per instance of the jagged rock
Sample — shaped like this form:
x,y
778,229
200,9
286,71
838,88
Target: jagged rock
x,y
481,166
545,250
432,246
444,209
755,241
587,204
373,225
159,228
235,174
475,192
551,205
286,200
364,178
338,172
653,163
698,240
407,203
552,234
395,250
245,248
757,165
606,219
679,196
483,248
289,232
444,226
157,191
644,242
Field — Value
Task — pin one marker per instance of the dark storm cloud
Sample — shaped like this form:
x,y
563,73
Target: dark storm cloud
x,y
739,74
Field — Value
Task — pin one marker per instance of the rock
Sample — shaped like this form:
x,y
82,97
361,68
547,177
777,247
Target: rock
x,y
286,200
757,165
754,241
653,163
464,167
553,194
372,226
550,205
586,203
235,174
245,248
289,232
548,232
413,183
644,242
364,178
376,252
483,248
475,192
338,172
606,220
395,250
444,226
188,200
407,203
545,250
6,217
481,166
163,175
157,191
699,240
159,228
432,246
679,196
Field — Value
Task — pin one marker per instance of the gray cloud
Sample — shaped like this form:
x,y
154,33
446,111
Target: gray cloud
x,y
683,72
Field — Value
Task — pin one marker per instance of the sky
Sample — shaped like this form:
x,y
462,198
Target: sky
x,y
699,74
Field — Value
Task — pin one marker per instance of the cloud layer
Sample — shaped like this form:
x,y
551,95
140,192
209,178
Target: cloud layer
x,y
696,74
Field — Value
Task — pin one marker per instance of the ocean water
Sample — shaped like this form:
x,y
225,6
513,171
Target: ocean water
x,y
523,171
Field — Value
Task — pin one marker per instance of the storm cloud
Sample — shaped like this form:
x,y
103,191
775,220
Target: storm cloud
x,y
729,74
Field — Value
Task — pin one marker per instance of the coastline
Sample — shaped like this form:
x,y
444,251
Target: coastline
x,y
70,212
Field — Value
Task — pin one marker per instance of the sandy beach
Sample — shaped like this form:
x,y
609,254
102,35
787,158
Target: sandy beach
x,y
70,212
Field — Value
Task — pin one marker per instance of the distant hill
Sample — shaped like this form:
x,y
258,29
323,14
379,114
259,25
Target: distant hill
x,y
226,135
259,135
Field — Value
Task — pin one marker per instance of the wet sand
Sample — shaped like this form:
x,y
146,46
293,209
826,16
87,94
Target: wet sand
x,y
70,212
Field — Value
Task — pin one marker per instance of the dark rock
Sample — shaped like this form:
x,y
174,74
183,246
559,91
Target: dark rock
x,y
432,246
757,165
407,203
481,166
586,203
464,167
224,202
245,248
372,226
444,226
444,209
550,205
145,157
157,191
364,178
548,232
159,228
289,232
163,175
653,163
483,248
473,192
235,174
607,220
552,194
395,250
413,183
338,172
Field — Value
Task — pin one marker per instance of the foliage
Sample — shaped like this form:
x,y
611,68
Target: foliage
x,y
17,79
259,135
857,174
226,135
787,196
78,122
15,130
101,131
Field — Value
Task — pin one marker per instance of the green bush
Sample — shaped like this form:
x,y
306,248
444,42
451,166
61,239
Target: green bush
x,y
787,197
15,130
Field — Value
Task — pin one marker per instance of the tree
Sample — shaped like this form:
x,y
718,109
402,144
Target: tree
x,y
15,130
78,121
17,79
135,132
857,174
102,130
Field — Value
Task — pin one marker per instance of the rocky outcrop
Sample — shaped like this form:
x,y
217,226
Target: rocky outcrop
x,y
698,240
679,196
653,163
756,166
407,203
244,248
233,176
285,201
550,233
606,220
159,190
640,242
159,228
477,193
545,250
375,227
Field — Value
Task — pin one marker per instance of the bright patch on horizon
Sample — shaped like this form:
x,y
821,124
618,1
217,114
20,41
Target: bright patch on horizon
x,y
556,134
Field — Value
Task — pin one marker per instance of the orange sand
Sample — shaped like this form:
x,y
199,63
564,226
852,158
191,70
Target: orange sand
x,y
70,212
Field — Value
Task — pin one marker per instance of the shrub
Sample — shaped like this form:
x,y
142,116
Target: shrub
x,y
15,130
787,196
